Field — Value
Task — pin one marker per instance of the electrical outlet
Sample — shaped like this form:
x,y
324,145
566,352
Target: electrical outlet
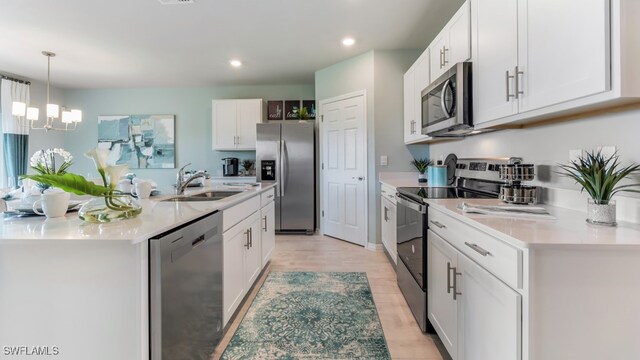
x,y
608,151
384,161
574,155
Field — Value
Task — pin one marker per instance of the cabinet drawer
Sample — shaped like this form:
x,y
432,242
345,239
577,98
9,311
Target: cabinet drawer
x,y
503,260
235,214
267,197
389,193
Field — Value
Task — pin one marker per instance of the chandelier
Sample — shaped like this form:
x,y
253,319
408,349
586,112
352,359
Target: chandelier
x,y
68,118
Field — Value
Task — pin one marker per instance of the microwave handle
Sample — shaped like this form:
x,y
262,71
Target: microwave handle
x,y
442,96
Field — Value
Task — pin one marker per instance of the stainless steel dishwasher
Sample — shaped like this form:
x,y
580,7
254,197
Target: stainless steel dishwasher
x,y
185,290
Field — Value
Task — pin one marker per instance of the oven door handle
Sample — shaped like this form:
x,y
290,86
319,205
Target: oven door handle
x,y
400,199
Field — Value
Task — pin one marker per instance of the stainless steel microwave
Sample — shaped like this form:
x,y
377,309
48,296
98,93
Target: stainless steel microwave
x,y
447,105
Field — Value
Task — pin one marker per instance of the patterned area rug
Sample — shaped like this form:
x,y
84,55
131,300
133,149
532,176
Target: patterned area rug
x,y
309,315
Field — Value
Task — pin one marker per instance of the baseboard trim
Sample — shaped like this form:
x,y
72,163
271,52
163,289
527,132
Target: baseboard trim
x,y
374,247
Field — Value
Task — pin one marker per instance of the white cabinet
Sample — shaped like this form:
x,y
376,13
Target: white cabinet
x,y
490,312
415,80
234,123
443,312
476,315
388,227
495,56
453,44
531,63
253,252
268,237
247,247
563,54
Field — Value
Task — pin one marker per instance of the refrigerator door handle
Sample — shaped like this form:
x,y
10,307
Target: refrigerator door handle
x,y
283,157
278,171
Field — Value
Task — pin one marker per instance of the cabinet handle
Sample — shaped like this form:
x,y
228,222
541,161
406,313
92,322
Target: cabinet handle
x,y
246,244
269,196
441,58
265,223
477,249
455,284
449,268
518,92
251,237
444,56
508,78
441,226
386,217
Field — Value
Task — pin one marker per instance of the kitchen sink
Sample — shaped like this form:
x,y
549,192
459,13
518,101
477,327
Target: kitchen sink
x,y
206,196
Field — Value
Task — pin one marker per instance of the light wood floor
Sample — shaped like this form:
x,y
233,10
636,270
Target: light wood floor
x,y
321,253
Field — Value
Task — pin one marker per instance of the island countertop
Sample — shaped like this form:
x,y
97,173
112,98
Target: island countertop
x,y
156,218
568,229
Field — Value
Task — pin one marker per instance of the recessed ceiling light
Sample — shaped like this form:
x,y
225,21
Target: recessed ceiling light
x,y
235,63
348,41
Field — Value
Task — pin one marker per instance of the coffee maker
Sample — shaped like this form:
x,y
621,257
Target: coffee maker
x,y
230,166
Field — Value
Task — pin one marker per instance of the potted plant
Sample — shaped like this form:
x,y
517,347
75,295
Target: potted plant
x,y
421,164
248,164
599,176
303,113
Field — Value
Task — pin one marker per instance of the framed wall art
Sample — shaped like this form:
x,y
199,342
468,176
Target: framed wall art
x,y
140,141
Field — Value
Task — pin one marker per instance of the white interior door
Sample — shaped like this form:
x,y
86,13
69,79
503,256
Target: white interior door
x,y
343,183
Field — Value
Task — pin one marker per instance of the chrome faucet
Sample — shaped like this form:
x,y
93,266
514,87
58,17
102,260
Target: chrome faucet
x,y
182,184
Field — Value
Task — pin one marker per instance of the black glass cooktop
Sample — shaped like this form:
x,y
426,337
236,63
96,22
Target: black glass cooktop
x,y
420,193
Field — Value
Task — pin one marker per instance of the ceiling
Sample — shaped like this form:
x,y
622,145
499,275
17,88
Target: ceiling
x,y
141,43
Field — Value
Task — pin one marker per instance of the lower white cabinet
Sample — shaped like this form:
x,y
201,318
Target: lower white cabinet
x,y
268,244
388,227
442,258
248,243
490,315
476,315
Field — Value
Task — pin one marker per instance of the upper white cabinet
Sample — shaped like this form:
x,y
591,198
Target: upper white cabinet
x,y
415,80
234,123
541,58
495,56
453,44
562,54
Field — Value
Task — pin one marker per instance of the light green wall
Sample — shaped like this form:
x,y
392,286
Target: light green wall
x,y
192,107
380,73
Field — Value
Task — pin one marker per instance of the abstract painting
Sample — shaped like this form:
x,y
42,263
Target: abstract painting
x,y
140,141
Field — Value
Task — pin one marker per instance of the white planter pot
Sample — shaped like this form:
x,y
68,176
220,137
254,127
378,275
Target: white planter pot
x,y
601,214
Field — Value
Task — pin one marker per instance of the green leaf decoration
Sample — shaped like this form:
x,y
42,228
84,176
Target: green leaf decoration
x,y
598,175
71,183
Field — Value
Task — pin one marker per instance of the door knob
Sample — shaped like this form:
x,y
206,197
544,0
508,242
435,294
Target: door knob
x,y
359,178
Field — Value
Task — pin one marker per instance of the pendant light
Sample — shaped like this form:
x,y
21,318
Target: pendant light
x,y
67,118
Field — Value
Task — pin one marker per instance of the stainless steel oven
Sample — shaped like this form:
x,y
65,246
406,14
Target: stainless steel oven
x,y
447,103
411,232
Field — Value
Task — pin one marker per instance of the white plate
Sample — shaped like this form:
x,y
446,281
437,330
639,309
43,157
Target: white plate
x,y
26,209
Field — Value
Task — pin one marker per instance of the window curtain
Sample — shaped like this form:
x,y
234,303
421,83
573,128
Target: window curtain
x,y
15,133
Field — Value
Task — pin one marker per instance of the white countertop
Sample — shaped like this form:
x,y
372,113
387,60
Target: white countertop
x,y
568,229
400,179
157,217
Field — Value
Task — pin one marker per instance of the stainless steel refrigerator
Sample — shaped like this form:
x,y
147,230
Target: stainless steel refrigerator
x,y
285,154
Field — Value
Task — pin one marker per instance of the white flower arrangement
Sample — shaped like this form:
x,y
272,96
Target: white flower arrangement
x,y
44,161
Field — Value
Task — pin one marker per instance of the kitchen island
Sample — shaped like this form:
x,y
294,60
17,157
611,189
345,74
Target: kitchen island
x,y
83,288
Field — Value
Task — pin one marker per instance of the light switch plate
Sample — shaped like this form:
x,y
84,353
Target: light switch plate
x,y
574,155
608,151
384,160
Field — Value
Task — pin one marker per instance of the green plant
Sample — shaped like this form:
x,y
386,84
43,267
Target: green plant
x,y
78,185
421,164
599,175
247,164
303,113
